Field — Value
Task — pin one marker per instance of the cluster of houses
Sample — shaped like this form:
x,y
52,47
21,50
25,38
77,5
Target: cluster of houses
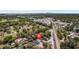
x,y
45,21
60,24
75,32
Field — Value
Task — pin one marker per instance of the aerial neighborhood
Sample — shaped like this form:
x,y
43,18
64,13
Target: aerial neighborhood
x,y
39,31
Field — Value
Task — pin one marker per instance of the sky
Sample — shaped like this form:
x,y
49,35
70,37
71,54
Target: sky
x,y
40,11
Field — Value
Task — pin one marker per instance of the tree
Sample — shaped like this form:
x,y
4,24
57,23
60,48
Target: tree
x,y
9,39
59,34
21,34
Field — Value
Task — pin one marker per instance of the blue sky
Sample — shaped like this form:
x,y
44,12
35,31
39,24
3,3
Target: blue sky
x,y
39,11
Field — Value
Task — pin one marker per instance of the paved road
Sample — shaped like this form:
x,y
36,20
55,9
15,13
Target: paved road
x,y
54,38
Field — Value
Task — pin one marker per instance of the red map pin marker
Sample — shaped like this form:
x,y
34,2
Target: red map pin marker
x,y
39,36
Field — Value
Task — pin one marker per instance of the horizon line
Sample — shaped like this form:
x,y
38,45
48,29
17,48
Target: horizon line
x,y
39,11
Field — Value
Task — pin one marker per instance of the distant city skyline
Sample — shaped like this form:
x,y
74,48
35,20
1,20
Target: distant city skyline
x,y
40,11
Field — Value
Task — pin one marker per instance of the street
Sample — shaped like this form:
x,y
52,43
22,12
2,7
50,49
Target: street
x,y
54,38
